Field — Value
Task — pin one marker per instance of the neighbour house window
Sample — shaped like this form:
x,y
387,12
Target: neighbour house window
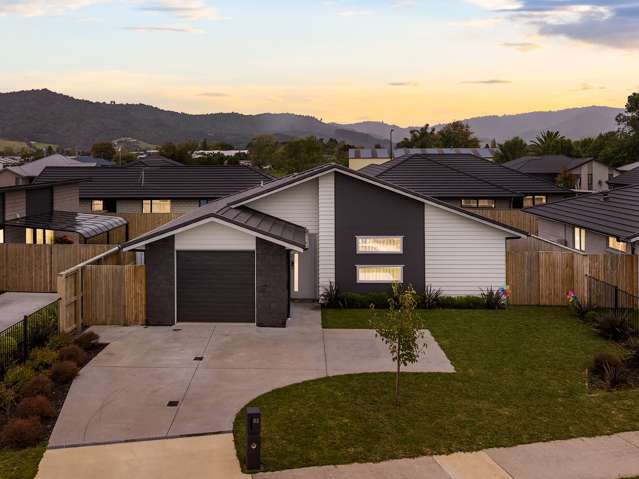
x,y
580,238
156,206
1,235
475,203
296,272
39,236
380,274
97,205
534,200
379,244
590,181
614,243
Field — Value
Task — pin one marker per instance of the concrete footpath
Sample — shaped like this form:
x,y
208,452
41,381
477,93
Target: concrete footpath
x,y
604,457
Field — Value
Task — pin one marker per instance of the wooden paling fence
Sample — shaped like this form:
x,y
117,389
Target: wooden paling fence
x,y
34,268
516,218
140,223
544,277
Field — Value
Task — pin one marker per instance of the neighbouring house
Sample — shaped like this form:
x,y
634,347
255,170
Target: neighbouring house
x,y
467,181
628,166
627,178
202,153
10,161
243,257
27,172
153,161
92,160
584,174
47,213
175,189
604,222
359,158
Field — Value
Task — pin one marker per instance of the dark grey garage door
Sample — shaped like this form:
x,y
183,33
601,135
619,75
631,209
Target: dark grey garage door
x,y
216,286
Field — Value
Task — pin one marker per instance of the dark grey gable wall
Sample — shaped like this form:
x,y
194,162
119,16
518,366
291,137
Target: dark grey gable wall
x,y
271,284
159,258
362,209
39,201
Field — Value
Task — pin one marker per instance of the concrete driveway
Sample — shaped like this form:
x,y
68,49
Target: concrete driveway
x,y
15,306
211,371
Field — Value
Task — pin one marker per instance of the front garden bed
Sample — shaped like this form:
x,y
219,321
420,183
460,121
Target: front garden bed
x,y
521,377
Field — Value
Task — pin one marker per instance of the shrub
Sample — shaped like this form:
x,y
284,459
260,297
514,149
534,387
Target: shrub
x,y
9,344
493,298
39,385
590,317
582,309
38,406
21,433
17,376
72,353
87,340
462,302
358,300
59,341
330,297
42,358
63,372
7,399
613,325
609,369
432,297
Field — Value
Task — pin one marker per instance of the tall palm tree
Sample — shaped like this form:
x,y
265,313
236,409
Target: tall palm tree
x,y
547,143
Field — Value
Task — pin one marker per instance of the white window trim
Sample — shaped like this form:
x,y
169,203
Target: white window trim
x,y
401,239
401,273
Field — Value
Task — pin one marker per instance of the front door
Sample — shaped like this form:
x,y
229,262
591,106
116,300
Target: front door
x,y
304,271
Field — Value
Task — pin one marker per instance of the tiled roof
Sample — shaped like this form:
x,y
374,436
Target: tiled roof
x,y
87,225
546,164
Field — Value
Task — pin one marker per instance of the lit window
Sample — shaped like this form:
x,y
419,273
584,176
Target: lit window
x,y
97,205
156,206
39,236
380,244
469,203
534,200
28,235
580,239
49,236
614,243
380,274
486,203
1,235
540,200
296,272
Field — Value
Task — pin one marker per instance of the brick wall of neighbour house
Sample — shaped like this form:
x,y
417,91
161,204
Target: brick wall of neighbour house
x,y
271,284
129,206
66,198
159,258
362,209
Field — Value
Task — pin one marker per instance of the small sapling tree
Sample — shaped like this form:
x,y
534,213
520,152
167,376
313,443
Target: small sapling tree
x,y
401,329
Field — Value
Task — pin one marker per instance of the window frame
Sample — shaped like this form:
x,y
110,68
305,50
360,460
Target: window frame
x,y
150,202
400,237
94,202
579,238
358,267
533,200
474,200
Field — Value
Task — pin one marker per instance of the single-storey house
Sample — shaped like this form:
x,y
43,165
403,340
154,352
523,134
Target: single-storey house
x,y
174,189
604,222
27,172
359,158
47,213
587,174
467,181
243,257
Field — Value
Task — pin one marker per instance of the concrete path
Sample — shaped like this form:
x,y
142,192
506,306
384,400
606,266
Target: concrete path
x,y
211,371
184,458
604,457
15,306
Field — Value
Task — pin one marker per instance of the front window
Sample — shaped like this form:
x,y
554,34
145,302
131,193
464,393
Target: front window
x,y
156,206
97,205
39,236
614,243
379,244
580,239
380,274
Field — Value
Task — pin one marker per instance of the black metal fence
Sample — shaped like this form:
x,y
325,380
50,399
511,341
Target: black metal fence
x,y
33,331
606,296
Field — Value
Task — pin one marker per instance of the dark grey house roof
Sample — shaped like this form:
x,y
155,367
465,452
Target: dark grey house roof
x,y
365,153
624,179
614,213
84,224
198,182
154,162
457,176
546,164
93,160
39,186
227,209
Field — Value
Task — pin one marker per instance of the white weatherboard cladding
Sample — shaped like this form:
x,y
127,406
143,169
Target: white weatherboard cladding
x,y
462,255
326,235
298,204
214,237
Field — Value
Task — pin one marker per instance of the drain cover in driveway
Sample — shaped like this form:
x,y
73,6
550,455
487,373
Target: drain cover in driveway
x,y
172,403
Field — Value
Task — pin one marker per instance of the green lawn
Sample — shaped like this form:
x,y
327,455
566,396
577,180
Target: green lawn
x,y
20,464
521,378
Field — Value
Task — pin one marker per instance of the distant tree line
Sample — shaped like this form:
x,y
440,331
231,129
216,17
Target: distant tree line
x,y
453,135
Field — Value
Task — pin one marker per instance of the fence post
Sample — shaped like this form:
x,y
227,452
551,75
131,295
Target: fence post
x,y
25,337
616,298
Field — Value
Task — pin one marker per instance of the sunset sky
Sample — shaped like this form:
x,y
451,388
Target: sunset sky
x,y
403,61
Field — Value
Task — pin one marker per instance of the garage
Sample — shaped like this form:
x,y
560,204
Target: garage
x,y
215,286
